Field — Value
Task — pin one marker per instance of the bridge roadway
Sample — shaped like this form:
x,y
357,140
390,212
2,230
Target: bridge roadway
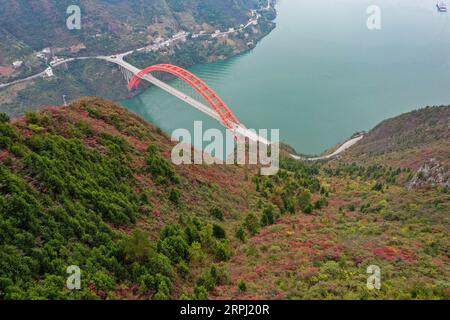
x,y
239,130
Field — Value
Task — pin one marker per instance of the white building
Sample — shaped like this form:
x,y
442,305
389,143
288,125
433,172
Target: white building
x,y
17,64
158,40
180,34
215,34
49,72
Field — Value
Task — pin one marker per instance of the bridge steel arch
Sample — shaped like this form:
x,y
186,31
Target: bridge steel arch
x,y
215,102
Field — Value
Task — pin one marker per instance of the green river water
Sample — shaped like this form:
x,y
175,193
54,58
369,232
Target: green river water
x,y
322,74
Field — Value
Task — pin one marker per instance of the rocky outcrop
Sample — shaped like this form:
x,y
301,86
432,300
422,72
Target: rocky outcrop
x,y
431,173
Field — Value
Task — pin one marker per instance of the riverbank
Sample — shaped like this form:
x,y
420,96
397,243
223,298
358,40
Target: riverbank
x,y
319,77
346,145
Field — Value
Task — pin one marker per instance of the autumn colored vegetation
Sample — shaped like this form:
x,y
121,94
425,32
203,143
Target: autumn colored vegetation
x,y
74,188
92,185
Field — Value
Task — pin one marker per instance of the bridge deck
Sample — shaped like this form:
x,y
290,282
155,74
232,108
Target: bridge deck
x,y
239,130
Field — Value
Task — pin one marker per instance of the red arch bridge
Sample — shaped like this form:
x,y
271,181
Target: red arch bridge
x,y
209,103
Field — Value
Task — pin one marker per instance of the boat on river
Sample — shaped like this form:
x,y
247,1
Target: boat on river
x,y
442,6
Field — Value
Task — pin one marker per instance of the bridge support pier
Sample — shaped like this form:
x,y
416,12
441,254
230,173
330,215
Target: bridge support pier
x,y
128,75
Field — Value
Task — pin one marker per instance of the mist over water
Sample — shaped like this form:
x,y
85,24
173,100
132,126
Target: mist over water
x,y
321,74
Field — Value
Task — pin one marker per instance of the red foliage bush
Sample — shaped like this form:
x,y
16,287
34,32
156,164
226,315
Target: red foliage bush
x,y
391,254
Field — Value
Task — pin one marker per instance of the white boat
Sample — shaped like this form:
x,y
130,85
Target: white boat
x,y
442,6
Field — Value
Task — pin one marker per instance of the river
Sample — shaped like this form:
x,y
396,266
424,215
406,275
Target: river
x,y
322,74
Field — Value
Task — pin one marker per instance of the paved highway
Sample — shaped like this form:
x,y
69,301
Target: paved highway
x,y
338,151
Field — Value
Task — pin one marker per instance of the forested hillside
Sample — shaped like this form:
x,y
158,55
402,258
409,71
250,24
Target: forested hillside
x,y
92,185
408,140
108,24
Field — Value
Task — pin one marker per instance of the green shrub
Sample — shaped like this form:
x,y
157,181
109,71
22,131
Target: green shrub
x,y
222,251
192,233
307,208
219,232
5,142
183,268
251,223
175,248
206,236
163,285
184,296
242,286
160,168
175,196
103,281
378,186
364,207
4,117
206,281
215,276
220,275
32,117
146,282
267,217
331,268
240,234
196,253
217,213
200,293
7,130
137,247
304,198
319,204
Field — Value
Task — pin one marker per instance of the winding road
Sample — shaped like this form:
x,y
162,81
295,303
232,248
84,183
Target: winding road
x,y
338,151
